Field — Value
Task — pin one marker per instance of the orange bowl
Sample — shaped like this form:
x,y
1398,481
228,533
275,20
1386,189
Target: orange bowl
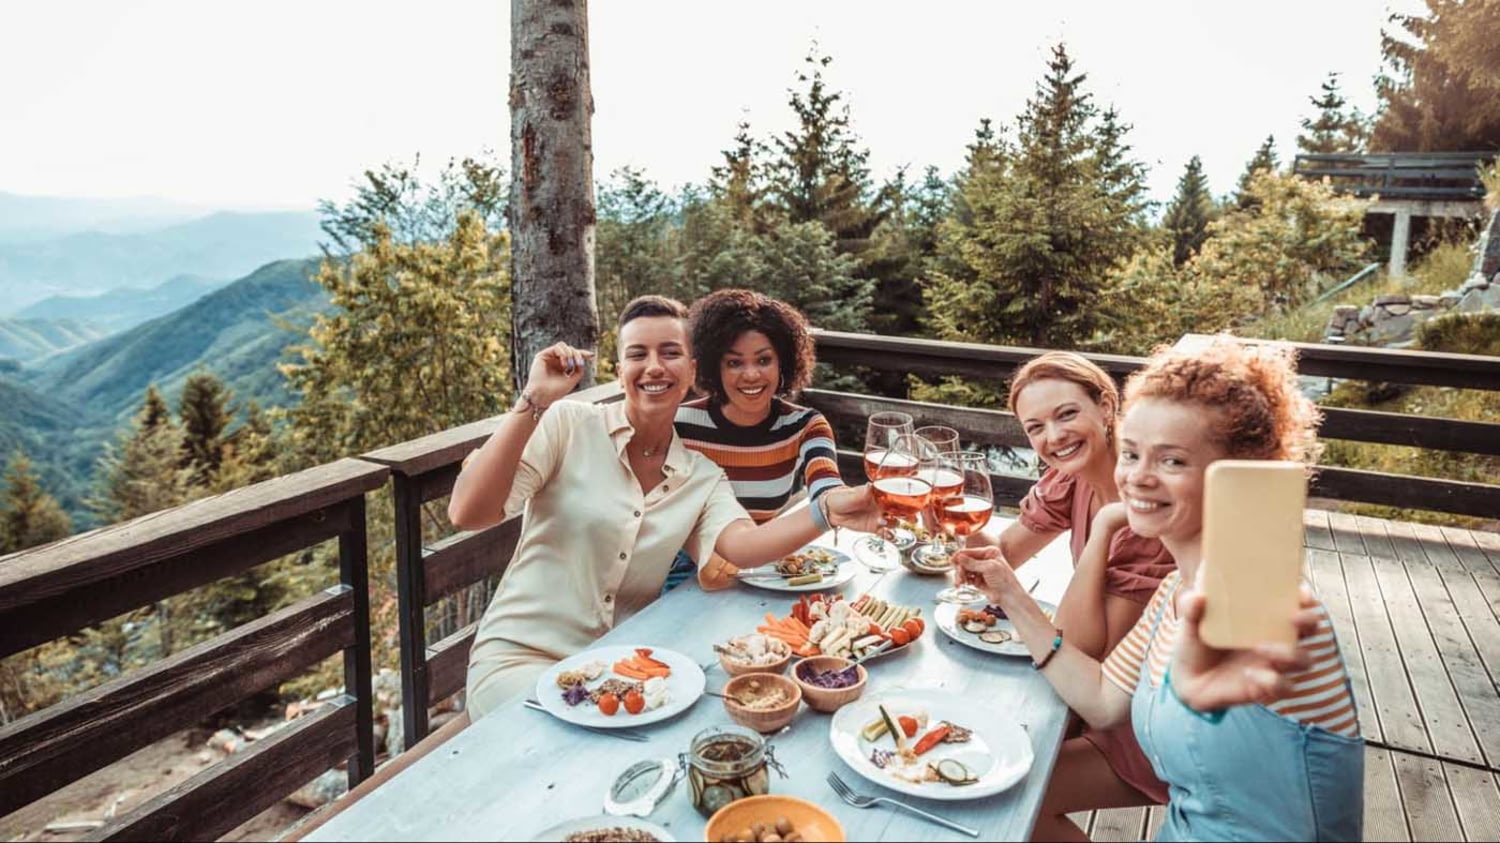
x,y
738,817
734,668
762,720
828,700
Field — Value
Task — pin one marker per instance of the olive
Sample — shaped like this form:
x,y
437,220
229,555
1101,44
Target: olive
x,y
783,826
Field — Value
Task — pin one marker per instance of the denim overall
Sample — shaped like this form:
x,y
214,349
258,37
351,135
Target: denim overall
x,y
1248,774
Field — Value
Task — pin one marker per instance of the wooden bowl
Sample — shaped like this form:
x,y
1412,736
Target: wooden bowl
x,y
810,821
767,720
828,700
734,668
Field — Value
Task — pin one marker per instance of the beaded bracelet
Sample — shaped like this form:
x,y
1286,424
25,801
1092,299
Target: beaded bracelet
x,y
1056,645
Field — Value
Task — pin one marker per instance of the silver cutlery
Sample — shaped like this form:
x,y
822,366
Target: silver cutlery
x,y
622,734
861,801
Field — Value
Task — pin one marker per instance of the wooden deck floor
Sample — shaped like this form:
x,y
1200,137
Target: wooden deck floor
x,y
1417,612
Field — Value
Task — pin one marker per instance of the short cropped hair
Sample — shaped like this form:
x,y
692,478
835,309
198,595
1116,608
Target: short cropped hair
x,y
641,307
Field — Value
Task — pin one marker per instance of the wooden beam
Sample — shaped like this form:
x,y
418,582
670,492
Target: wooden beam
x,y
466,558
934,358
448,664
60,600
61,744
1465,371
218,800
991,427
1349,484
1416,431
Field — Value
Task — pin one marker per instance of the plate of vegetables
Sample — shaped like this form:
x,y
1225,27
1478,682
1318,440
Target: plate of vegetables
x,y
620,687
813,568
985,627
931,744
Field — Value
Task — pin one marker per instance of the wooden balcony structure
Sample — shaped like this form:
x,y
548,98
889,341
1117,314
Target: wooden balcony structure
x,y
1415,606
1404,185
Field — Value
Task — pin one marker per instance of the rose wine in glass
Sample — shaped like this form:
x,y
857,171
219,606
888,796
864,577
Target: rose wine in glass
x,y
883,459
965,512
942,440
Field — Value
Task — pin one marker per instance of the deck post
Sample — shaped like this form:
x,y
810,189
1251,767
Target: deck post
x,y
354,572
412,599
1400,241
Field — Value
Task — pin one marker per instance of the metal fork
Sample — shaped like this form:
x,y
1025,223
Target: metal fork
x,y
622,734
862,801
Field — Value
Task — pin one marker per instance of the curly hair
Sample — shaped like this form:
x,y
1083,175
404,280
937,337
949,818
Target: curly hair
x,y
720,318
1259,411
1073,368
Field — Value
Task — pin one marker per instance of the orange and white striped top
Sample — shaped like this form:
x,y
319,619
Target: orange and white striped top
x,y
1319,697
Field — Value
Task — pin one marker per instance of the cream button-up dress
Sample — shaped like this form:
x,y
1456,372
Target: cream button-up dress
x,y
594,549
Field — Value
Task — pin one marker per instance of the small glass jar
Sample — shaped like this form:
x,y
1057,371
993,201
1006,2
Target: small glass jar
x,y
726,763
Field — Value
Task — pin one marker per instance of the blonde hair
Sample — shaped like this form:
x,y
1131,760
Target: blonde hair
x,y
1073,368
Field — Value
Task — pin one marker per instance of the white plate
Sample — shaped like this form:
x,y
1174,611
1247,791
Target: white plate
x,y
847,571
561,830
999,753
685,684
946,617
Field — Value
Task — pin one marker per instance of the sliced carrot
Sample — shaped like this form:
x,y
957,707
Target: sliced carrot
x,y
629,672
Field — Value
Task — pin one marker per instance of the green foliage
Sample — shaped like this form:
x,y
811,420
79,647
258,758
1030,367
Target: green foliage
x,y
1038,224
1441,87
142,472
1189,213
205,411
1265,160
817,172
1490,176
1301,236
1337,128
28,515
1461,333
417,343
412,210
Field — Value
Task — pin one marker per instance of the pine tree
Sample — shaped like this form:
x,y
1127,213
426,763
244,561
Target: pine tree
x,y
1038,224
1440,90
740,182
28,515
205,412
142,472
1265,160
154,410
1337,128
1189,213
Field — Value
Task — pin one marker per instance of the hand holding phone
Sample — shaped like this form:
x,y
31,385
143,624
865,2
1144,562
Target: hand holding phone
x,y
1252,552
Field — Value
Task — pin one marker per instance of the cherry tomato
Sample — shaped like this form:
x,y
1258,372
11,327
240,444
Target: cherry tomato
x,y
609,704
634,702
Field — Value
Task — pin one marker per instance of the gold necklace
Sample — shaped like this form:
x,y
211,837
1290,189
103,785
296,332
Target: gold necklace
x,y
651,452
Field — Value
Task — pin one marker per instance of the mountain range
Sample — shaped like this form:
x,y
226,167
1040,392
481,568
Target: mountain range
x,y
63,408
227,244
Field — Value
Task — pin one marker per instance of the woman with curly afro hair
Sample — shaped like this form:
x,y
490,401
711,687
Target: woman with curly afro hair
x,y
754,354
1254,744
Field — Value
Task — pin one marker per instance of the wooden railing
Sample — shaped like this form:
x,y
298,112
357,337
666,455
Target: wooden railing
x,y
1433,176
930,358
59,589
422,471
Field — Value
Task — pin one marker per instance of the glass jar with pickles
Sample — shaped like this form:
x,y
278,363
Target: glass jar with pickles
x,y
726,763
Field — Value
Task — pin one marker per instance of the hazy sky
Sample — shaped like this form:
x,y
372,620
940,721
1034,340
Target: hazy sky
x,y
279,103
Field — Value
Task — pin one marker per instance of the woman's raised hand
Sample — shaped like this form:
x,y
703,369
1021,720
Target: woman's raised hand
x,y
985,568
556,371
1207,678
854,507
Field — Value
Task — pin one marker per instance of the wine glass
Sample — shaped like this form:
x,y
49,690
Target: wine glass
x,y
944,440
963,513
881,433
901,488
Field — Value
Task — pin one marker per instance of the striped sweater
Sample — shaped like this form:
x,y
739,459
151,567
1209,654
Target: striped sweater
x,y
791,451
1320,695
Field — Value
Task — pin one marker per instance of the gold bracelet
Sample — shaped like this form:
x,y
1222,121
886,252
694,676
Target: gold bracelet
x,y
536,409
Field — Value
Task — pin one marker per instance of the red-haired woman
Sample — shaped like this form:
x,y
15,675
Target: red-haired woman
x,y
1259,744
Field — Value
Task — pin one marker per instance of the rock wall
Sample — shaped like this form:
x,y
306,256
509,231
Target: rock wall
x,y
1393,320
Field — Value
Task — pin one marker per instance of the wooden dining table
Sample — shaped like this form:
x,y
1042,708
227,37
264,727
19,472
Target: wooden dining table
x,y
519,771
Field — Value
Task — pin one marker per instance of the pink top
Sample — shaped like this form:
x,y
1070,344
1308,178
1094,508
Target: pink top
x,y
1136,565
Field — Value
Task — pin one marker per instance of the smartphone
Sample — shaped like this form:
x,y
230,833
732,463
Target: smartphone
x,y
1252,552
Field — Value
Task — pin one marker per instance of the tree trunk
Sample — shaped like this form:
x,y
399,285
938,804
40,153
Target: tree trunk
x,y
552,185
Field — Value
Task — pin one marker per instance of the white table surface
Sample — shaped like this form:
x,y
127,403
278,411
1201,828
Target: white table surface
x,y
520,771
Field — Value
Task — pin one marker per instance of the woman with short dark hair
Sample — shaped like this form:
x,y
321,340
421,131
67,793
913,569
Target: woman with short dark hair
x,y
610,495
